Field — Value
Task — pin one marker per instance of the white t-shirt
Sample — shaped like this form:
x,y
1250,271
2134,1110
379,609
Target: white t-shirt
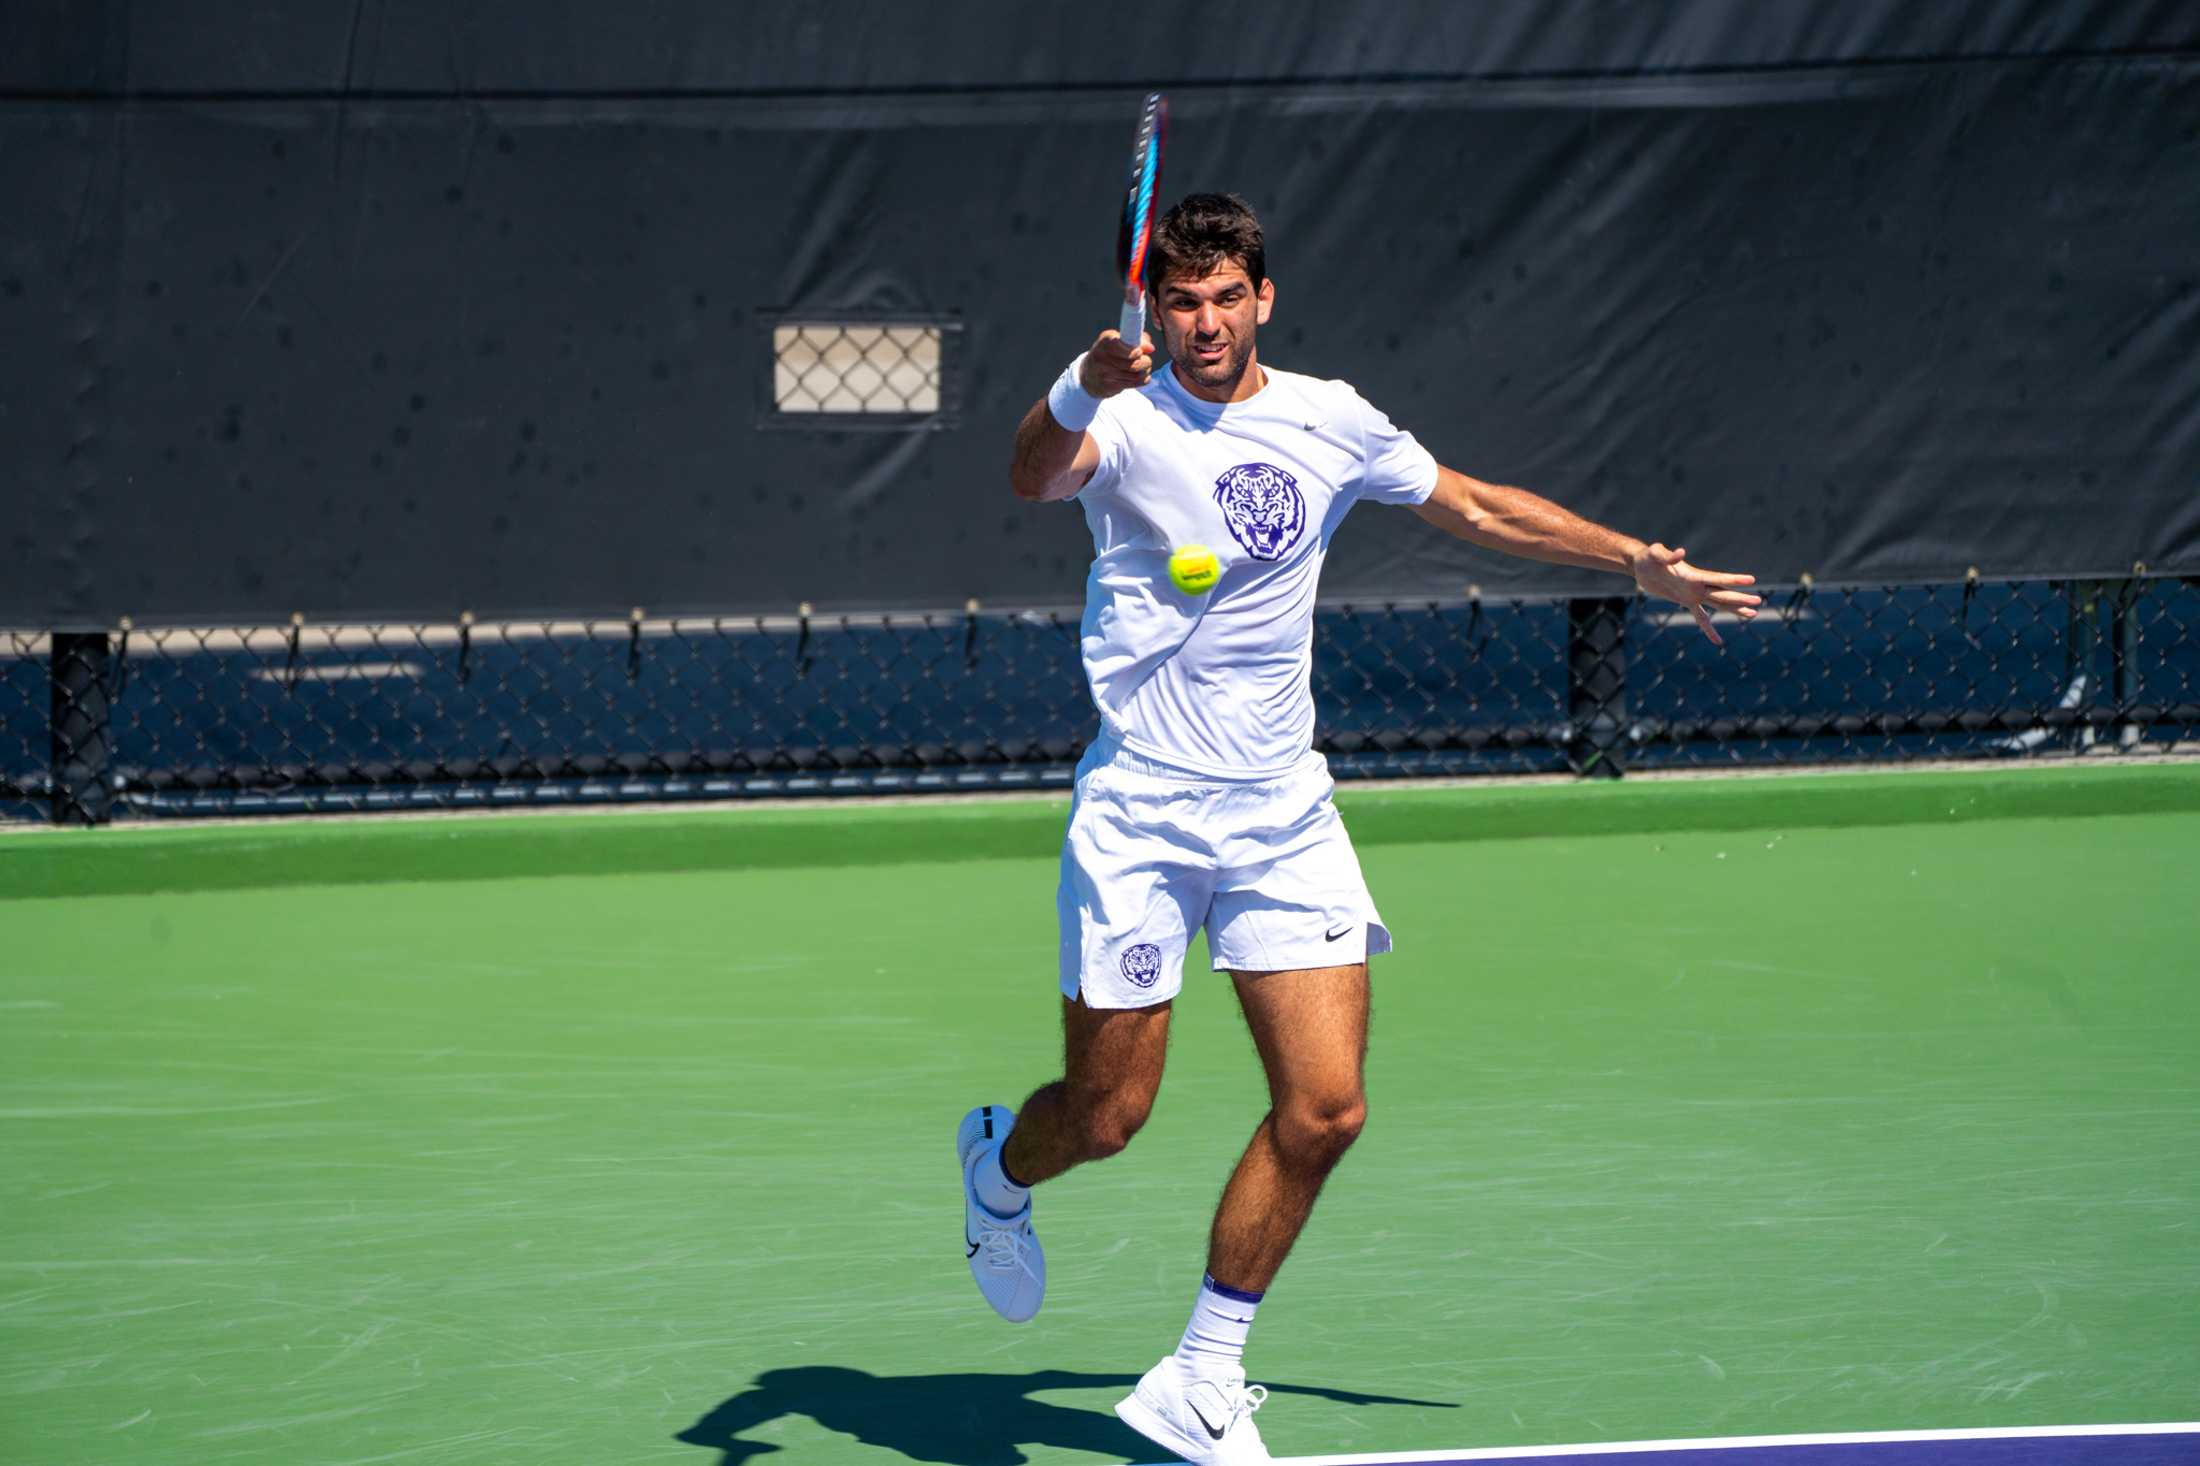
x,y
1221,683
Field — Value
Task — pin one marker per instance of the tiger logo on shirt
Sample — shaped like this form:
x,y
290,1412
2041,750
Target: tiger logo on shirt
x,y
1263,507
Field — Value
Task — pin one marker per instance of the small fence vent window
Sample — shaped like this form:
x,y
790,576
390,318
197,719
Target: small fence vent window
x,y
829,368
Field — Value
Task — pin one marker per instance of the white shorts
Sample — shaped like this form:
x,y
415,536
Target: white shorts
x,y
1153,853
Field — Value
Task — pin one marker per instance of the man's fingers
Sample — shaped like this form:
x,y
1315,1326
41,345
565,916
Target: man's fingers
x,y
1669,578
1111,367
1671,559
1110,345
1117,365
1111,354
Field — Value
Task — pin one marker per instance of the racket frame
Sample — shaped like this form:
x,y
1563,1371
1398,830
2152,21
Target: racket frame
x,y
1134,244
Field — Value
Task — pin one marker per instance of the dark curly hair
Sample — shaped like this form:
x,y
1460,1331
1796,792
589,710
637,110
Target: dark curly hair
x,y
1202,231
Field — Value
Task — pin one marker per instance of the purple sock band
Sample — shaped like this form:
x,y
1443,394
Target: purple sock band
x,y
1239,1294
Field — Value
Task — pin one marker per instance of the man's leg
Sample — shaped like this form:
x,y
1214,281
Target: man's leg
x,y
1310,1027
1126,903
1112,1068
1111,1071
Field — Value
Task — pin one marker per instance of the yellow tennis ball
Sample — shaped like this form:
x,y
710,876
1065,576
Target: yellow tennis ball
x,y
1194,569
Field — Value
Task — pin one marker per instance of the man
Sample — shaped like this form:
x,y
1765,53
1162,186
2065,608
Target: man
x,y
1201,802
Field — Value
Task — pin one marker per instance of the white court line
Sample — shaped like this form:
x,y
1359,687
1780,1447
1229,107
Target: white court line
x,y
1739,1442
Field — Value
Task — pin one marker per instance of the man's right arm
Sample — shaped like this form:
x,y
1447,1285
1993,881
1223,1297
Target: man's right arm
x,y
1051,462
1055,462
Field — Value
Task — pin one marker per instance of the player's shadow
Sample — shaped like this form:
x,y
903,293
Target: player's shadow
x,y
959,1419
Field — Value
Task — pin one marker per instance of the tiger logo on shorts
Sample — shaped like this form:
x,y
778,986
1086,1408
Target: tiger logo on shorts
x,y
1263,507
1142,964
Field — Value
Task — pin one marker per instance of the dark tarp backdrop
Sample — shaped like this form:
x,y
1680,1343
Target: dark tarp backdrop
x,y
391,311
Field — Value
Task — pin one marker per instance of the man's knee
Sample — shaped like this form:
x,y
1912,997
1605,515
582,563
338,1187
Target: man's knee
x,y
1106,1120
1318,1131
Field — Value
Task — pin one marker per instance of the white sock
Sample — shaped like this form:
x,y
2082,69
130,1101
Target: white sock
x,y
996,1193
1214,1341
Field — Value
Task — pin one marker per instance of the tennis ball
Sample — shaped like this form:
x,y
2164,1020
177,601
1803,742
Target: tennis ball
x,y
1194,569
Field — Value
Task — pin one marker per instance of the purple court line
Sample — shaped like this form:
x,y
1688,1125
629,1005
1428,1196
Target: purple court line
x,y
2173,1444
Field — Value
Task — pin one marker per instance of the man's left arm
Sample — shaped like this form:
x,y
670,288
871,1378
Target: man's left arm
x,y
1520,523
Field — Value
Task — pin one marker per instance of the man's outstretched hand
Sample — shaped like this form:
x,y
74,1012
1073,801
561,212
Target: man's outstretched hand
x,y
1668,576
1114,365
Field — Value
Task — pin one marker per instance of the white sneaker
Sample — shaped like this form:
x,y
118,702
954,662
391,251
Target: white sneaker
x,y
1004,1253
1207,1421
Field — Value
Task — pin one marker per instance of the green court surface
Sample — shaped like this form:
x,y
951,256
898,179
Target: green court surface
x,y
1818,1103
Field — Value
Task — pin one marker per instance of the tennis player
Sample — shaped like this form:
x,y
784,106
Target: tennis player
x,y
1201,803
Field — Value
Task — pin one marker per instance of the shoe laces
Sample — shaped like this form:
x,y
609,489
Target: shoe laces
x,y
1238,1397
1003,1244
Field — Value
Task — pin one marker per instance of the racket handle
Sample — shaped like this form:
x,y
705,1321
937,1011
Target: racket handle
x,y
1133,323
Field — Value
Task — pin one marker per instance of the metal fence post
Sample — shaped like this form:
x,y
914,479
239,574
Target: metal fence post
x,y
1596,685
82,728
2124,658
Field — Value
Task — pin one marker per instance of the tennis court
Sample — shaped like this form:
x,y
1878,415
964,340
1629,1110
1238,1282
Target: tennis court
x,y
1816,1103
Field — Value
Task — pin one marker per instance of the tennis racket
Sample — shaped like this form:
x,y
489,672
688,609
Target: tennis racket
x,y
1136,235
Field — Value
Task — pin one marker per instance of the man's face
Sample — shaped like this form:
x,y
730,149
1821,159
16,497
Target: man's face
x,y
1207,326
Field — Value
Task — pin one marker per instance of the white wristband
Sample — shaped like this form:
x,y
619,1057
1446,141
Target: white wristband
x,y
1073,407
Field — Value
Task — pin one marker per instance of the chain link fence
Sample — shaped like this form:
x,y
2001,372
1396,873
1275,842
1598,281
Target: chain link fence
x,y
142,723
847,368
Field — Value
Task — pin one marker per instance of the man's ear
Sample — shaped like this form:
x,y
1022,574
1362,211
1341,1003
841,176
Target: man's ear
x,y
1264,302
